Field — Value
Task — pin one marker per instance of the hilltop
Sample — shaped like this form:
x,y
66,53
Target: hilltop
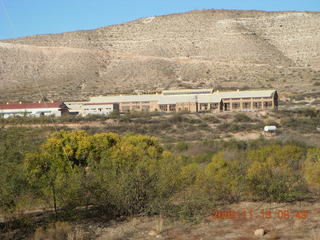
x,y
208,48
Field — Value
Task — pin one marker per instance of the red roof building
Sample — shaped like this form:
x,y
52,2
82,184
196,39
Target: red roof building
x,y
33,109
32,105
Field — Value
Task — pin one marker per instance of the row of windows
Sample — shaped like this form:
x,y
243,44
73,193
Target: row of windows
x,y
247,105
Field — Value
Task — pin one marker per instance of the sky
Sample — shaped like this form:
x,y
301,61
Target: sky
x,y
30,17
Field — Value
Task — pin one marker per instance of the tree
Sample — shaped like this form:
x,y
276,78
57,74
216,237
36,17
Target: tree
x,y
128,173
57,167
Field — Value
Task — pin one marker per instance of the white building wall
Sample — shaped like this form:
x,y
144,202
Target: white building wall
x,y
37,112
100,109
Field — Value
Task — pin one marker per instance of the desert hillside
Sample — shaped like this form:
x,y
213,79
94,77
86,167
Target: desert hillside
x,y
210,48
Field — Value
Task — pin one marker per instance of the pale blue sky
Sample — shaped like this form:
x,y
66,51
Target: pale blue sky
x,y
29,17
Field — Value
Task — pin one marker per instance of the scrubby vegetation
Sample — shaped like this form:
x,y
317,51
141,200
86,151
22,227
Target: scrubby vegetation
x,y
134,174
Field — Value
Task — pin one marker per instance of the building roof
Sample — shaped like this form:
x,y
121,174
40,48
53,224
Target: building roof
x,y
245,94
182,97
127,98
187,91
209,98
94,103
200,98
173,99
32,105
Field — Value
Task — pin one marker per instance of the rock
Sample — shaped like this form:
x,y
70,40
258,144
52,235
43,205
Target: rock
x,y
152,233
259,232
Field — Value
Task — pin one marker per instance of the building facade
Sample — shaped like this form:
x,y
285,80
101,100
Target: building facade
x,y
195,100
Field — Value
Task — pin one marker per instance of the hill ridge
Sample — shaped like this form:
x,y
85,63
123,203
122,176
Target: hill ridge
x,y
201,48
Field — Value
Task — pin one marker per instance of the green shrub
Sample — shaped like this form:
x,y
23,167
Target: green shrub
x,y
241,117
181,146
274,173
222,180
133,174
311,168
211,119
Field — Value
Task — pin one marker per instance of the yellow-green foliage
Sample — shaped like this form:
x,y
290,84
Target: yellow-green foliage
x,y
274,173
222,179
75,168
57,168
133,174
129,172
312,168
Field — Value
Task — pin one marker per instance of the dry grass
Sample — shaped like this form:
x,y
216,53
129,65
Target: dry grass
x,y
209,229
315,234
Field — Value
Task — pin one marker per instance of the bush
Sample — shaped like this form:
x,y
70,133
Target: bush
x,y
181,146
311,168
133,174
274,173
176,118
14,143
305,125
211,119
222,180
240,117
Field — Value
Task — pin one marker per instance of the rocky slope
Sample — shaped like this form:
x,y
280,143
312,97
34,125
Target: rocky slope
x,y
211,48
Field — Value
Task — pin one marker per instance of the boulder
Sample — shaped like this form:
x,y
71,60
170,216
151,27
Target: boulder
x,y
152,233
259,232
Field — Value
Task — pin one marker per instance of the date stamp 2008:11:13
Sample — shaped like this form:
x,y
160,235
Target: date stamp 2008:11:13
x,y
265,214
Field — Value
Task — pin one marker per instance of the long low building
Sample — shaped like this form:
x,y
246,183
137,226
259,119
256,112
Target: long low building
x,y
33,109
194,100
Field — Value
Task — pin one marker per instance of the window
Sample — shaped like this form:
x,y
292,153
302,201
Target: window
x,y
125,108
267,104
227,106
145,107
172,107
257,105
203,106
246,105
214,105
235,105
135,107
164,107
